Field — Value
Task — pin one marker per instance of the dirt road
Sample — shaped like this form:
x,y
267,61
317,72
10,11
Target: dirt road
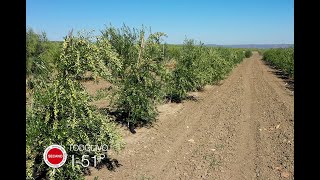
x,y
241,129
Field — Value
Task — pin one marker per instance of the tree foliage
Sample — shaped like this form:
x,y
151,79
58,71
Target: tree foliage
x,y
198,66
60,112
248,53
141,78
282,58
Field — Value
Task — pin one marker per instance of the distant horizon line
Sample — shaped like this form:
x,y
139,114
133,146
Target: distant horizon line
x,y
217,44
251,44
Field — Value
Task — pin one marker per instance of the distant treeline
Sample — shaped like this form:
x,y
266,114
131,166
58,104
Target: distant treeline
x,y
257,46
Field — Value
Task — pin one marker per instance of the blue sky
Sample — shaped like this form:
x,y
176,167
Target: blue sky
x,y
209,21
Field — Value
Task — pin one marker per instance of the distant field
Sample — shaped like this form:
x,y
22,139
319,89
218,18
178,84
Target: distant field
x,y
258,46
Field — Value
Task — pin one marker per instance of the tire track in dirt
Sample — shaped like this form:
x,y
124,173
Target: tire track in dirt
x,y
275,112
232,132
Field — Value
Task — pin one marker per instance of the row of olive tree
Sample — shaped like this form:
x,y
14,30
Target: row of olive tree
x,y
144,79
134,61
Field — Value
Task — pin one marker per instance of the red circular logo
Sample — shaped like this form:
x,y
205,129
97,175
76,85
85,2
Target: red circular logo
x,y
55,156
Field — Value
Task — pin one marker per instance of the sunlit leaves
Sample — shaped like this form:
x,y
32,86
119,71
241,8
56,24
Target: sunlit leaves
x,y
141,78
282,58
60,112
197,66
